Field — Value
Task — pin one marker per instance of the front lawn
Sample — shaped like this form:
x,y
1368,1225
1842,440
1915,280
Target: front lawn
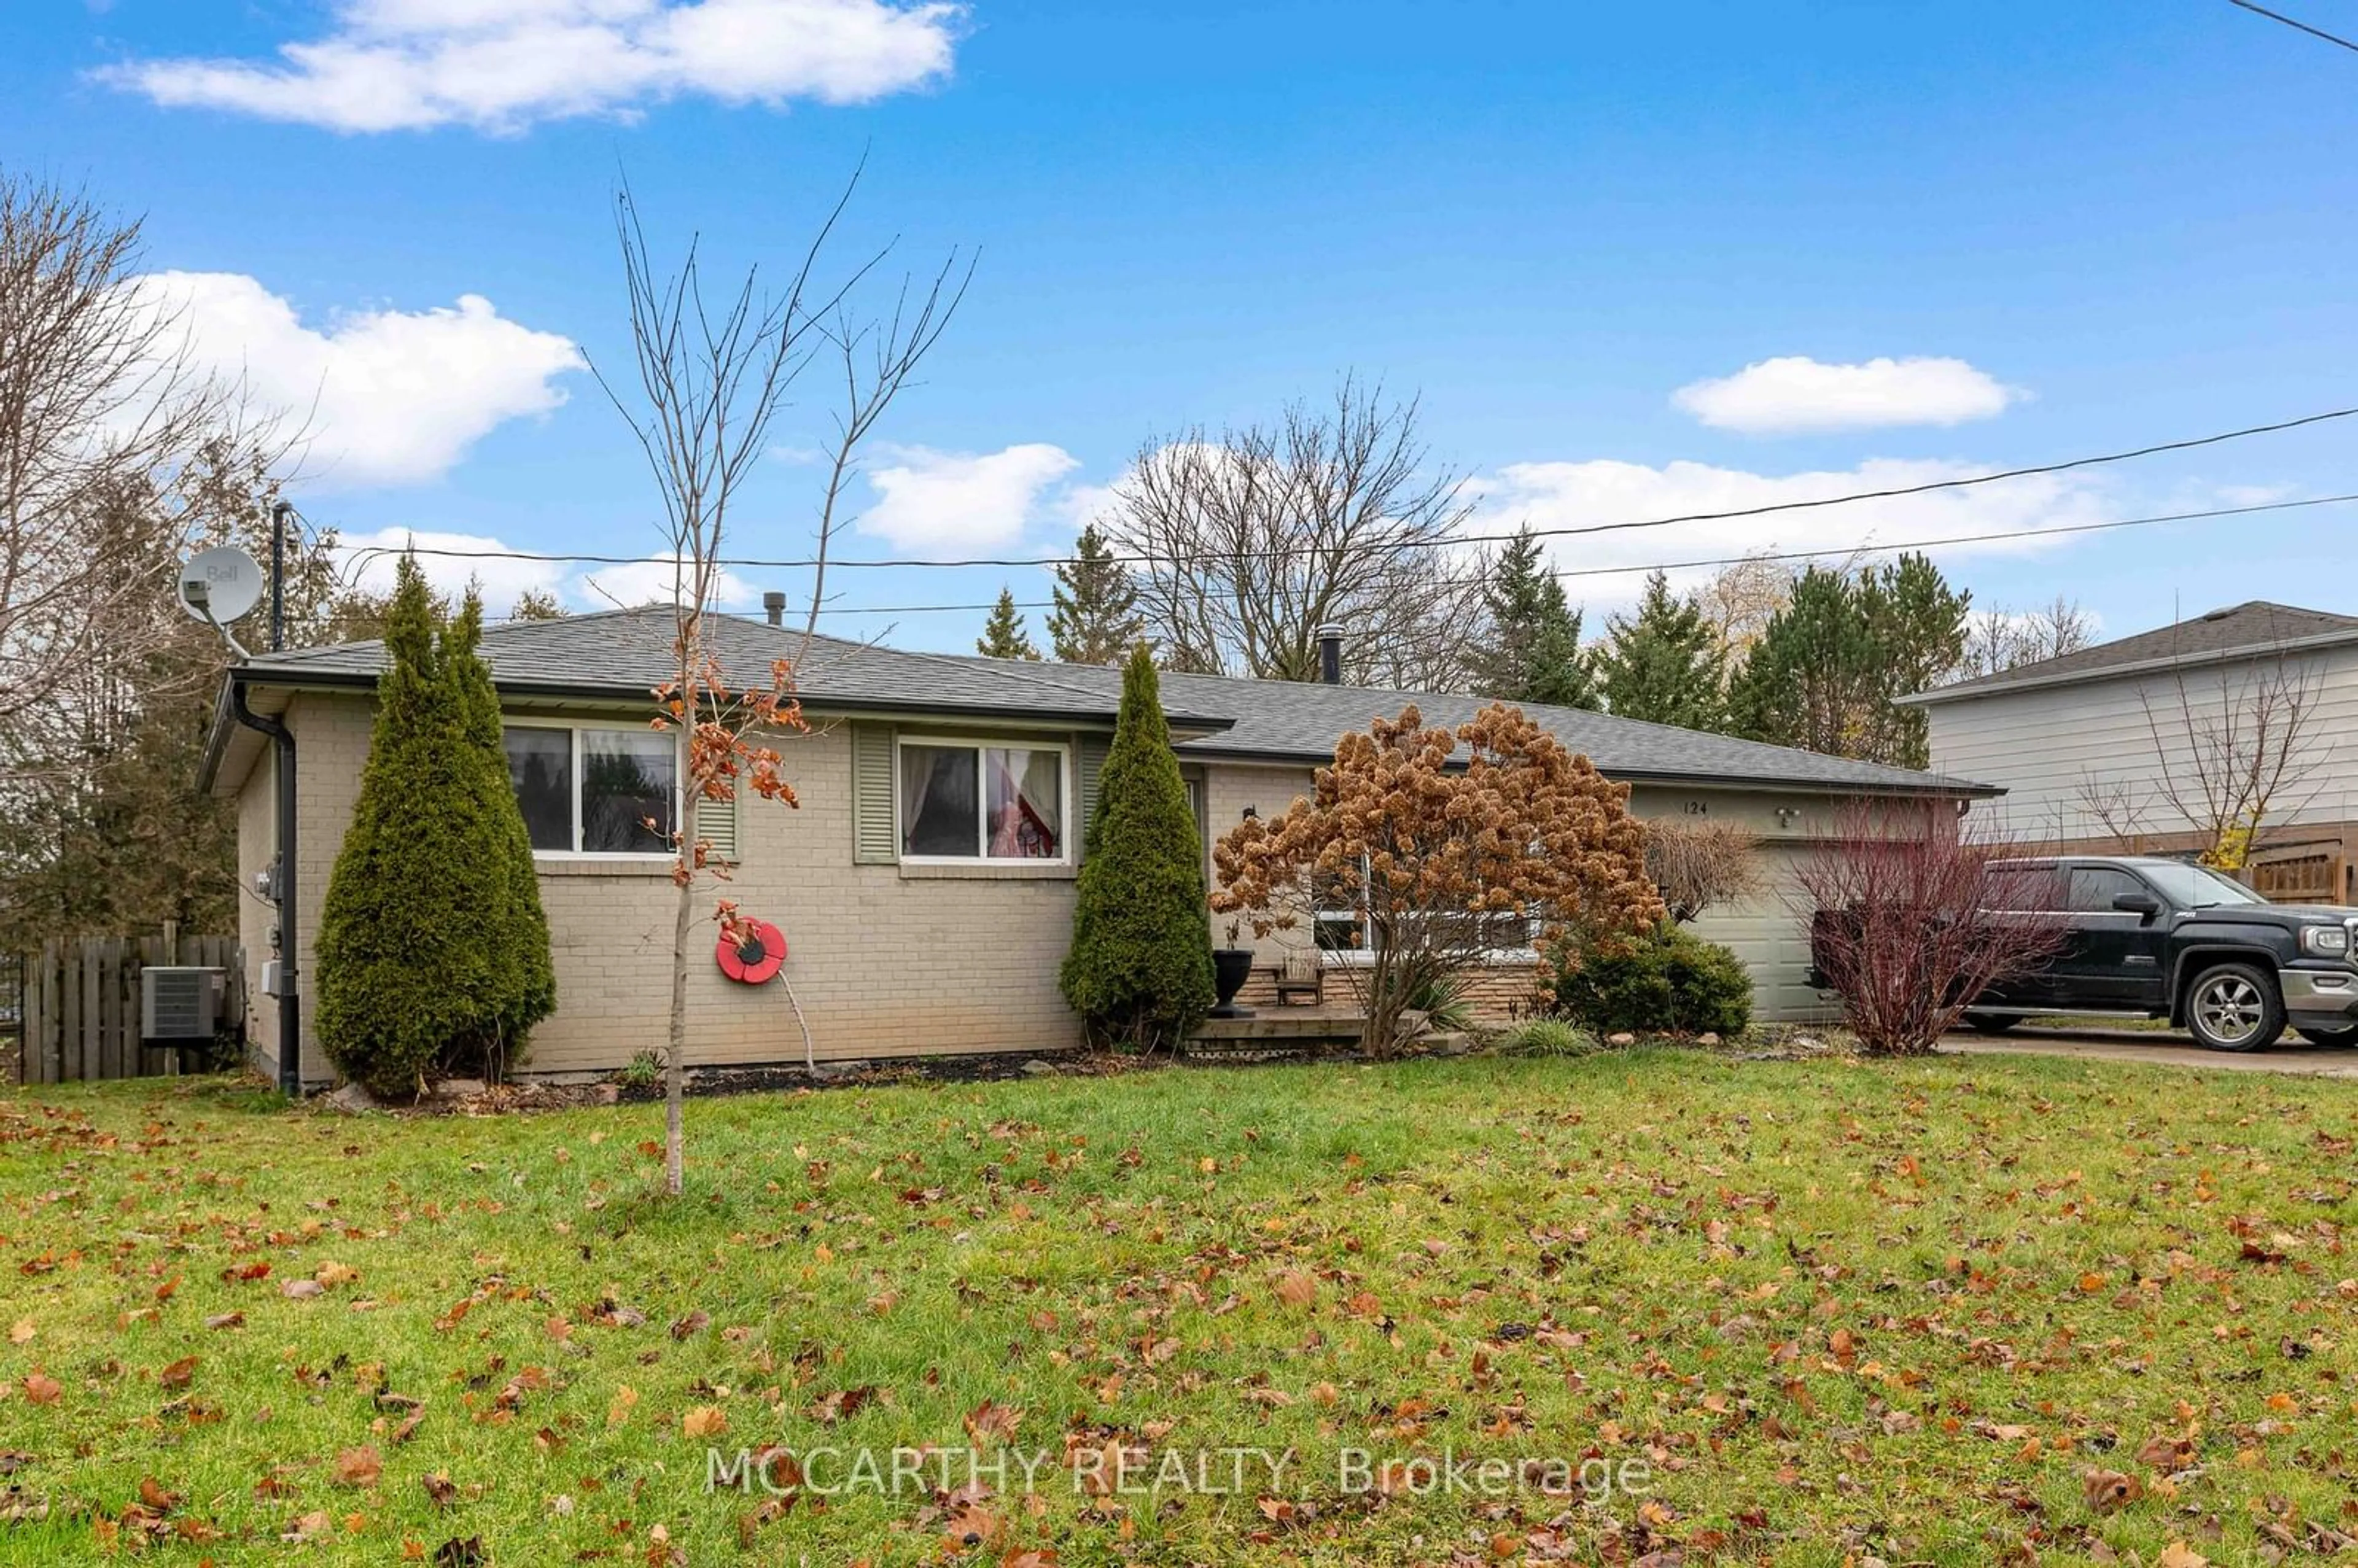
x,y
1961,1311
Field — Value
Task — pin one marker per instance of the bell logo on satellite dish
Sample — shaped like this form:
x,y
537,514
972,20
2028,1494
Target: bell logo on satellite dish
x,y
219,585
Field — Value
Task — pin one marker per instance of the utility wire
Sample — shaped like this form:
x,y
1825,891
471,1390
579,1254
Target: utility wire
x,y
1892,493
1861,549
2288,21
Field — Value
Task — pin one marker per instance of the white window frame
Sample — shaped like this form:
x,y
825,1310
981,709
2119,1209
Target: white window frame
x,y
574,729
1362,957
1065,806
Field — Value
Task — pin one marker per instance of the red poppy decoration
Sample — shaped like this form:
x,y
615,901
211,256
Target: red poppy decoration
x,y
753,951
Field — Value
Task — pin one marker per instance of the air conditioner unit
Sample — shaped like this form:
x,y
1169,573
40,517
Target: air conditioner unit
x,y
179,1004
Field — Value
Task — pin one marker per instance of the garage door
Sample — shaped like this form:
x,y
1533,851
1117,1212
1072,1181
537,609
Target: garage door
x,y
1773,942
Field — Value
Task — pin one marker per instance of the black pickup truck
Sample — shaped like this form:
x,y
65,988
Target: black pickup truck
x,y
2167,939
2161,938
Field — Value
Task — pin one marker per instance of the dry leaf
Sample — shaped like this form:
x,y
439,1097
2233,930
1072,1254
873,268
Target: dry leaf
x,y
705,1420
43,1389
301,1290
178,1374
625,1398
1296,1289
359,1466
2107,1490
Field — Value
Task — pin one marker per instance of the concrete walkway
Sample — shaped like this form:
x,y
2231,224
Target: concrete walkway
x,y
2291,1054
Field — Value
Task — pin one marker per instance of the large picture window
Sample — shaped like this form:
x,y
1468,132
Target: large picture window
x,y
962,801
595,791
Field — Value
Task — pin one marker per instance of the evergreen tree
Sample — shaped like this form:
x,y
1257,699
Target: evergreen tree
x,y
1139,972
1003,636
1532,651
433,951
1664,663
1824,674
1095,620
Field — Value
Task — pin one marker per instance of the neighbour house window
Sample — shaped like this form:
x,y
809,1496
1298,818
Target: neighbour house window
x,y
594,792
962,801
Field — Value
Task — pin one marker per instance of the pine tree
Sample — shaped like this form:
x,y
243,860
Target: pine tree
x,y
1139,972
1664,663
1003,636
1824,674
433,950
1532,652
1095,620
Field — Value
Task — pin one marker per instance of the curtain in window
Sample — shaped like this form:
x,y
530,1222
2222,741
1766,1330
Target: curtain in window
x,y
1025,804
540,766
938,802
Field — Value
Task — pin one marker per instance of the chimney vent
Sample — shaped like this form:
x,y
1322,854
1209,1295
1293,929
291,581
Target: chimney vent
x,y
774,605
1330,654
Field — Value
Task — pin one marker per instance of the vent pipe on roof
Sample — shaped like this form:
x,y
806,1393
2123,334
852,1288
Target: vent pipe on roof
x,y
774,605
1330,654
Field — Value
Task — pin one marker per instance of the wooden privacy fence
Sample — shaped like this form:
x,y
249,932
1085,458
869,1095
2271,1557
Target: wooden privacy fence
x,y
78,1004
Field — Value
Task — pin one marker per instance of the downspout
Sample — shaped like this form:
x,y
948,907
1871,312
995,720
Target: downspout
x,y
291,984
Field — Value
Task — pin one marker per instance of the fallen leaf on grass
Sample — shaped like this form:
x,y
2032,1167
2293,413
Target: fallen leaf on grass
x,y
619,1411
2177,1555
43,1389
2107,1490
21,1330
705,1420
692,1323
226,1320
990,1420
1296,1289
178,1375
438,1489
301,1290
359,1466
332,1273
457,1554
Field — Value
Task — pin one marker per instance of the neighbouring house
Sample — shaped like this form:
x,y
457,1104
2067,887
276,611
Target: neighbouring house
x,y
2234,726
924,886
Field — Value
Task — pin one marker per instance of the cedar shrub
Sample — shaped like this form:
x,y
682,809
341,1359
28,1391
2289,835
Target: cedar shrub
x,y
433,950
1139,972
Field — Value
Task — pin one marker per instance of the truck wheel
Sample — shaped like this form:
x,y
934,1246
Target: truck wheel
x,y
1990,1022
2234,1007
2345,1035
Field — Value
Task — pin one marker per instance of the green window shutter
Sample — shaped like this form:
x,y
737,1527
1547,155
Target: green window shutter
x,y
874,841
1088,761
716,824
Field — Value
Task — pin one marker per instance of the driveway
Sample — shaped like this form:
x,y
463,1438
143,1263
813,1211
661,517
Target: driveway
x,y
2293,1055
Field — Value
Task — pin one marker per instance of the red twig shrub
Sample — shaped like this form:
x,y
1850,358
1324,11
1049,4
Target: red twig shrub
x,y
1911,919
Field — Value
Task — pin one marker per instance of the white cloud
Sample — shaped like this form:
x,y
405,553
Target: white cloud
x,y
366,560
1581,494
653,581
1796,394
502,65
381,398
929,501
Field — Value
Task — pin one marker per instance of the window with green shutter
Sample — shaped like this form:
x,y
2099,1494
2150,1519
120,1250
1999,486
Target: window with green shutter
x,y
873,841
716,824
1089,762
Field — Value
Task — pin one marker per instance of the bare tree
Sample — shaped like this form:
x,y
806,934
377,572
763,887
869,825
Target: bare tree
x,y
1249,541
1998,640
1740,600
1697,865
1911,919
712,375
111,443
2232,757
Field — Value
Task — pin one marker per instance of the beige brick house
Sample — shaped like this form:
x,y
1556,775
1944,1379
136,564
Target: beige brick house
x,y
926,883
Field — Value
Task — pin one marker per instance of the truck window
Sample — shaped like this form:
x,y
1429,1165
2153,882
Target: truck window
x,y
2093,888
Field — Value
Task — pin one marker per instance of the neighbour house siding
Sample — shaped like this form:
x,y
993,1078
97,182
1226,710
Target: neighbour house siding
x,y
2043,743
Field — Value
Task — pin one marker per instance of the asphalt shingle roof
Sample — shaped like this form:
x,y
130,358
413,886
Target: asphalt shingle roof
x,y
625,651
2258,626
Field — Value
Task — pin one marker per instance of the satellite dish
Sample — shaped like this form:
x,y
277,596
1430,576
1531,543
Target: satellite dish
x,y
221,584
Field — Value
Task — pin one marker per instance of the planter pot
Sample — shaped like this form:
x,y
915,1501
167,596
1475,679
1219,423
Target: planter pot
x,y
1232,966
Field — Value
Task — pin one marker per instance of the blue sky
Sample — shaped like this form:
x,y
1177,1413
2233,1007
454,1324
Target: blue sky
x,y
2129,223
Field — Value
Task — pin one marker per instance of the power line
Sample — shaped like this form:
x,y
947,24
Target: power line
x,y
2288,21
1891,493
1862,548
